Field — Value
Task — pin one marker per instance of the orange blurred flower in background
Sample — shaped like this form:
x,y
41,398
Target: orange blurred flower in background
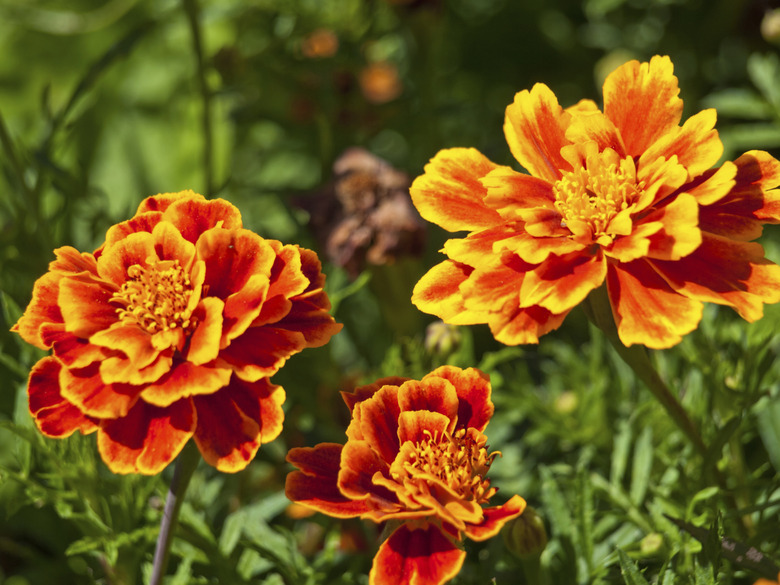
x,y
170,331
380,82
415,455
624,196
320,44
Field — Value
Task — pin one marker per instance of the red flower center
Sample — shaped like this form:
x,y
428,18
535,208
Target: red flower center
x,y
156,297
594,200
459,461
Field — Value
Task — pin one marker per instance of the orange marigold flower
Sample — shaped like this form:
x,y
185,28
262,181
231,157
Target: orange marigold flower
x,y
170,331
625,196
415,454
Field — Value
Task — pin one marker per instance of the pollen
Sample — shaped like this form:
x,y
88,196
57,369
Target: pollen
x,y
155,297
591,198
460,461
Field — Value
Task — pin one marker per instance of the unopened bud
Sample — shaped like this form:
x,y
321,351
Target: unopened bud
x,y
770,26
525,536
441,338
651,544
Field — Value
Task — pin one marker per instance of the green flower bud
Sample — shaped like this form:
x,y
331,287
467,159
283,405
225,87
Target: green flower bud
x,y
525,536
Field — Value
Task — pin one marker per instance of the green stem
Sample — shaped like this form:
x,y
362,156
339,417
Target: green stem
x,y
599,311
185,466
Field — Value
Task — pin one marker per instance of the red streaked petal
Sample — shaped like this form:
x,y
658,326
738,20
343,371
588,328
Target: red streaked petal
x,y
136,248
593,126
438,293
495,518
359,463
473,389
194,215
642,101
422,556
183,380
494,282
758,169
85,306
450,194
234,422
54,415
147,439
636,244
680,235
142,222
472,249
117,369
205,339
535,129
42,309
514,326
131,340
308,317
432,394
162,201
713,185
72,351
696,144
87,390
535,250
647,309
561,283
377,418
412,426
366,391
315,485
261,351
509,192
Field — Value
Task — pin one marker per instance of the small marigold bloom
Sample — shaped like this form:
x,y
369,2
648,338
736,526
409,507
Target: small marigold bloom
x,y
625,196
169,332
380,82
416,455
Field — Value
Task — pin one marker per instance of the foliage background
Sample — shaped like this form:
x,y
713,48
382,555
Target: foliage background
x,y
103,103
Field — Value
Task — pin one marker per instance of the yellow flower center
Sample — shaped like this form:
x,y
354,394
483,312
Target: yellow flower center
x,y
590,199
155,297
460,461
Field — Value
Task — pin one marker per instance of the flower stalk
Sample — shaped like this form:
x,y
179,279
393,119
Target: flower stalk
x,y
185,466
597,308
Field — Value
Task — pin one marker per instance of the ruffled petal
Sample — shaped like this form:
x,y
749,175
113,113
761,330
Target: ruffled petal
x,y
647,309
142,222
234,422
450,194
117,369
131,340
42,309
315,485
438,293
495,282
421,556
377,419
183,380
535,129
418,426
148,438
510,192
494,519
431,394
87,390
473,249
194,215
642,101
54,415
261,351
308,318
366,391
594,127
512,325
680,234
535,250
205,340
162,201
561,283
472,386
359,463
85,306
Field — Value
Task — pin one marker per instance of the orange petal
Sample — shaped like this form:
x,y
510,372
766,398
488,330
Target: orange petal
x,y
535,129
85,306
450,194
495,518
136,248
163,201
661,179
422,556
359,463
183,380
757,168
513,325
473,389
234,422
642,101
54,415
147,439
287,280
143,222
117,369
366,391
205,339
412,426
535,250
131,340
472,249
72,351
680,235
431,394
594,127
647,309
561,283
438,293
315,485
309,319
86,389
194,215
713,185
377,418
726,272
696,144
541,222
42,309
170,245
509,192
636,244
261,351
494,282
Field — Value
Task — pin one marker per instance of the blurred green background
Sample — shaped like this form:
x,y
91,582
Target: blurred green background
x,y
105,103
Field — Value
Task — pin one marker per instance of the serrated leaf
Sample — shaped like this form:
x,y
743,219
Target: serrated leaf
x,y
555,505
641,466
630,570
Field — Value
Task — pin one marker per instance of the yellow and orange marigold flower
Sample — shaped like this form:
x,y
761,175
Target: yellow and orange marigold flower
x,y
169,332
416,455
625,196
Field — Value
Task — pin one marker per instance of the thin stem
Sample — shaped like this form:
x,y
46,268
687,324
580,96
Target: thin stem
x,y
599,312
192,11
185,466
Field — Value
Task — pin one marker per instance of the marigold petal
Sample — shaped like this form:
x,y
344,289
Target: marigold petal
x,y
315,485
680,235
193,215
148,438
131,340
433,394
510,192
359,463
541,222
366,391
535,129
287,280
261,351
713,185
438,293
647,309
696,144
416,556
661,178
142,222
561,283
472,386
642,101
535,250
309,318
591,126
183,380
377,418
162,201
514,326
54,415
413,425
493,283
726,272
472,249
87,390
495,518
205,339
450,194
117,369
114,262
636,244
72,351
85,306
234,422
42,309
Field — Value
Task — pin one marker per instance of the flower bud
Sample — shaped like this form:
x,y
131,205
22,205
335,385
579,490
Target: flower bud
x,y
441,338
770,26
525,536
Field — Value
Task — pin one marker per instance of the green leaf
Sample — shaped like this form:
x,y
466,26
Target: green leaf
x,y
764,71
642,466
739,103
768,423
620,447
630,570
